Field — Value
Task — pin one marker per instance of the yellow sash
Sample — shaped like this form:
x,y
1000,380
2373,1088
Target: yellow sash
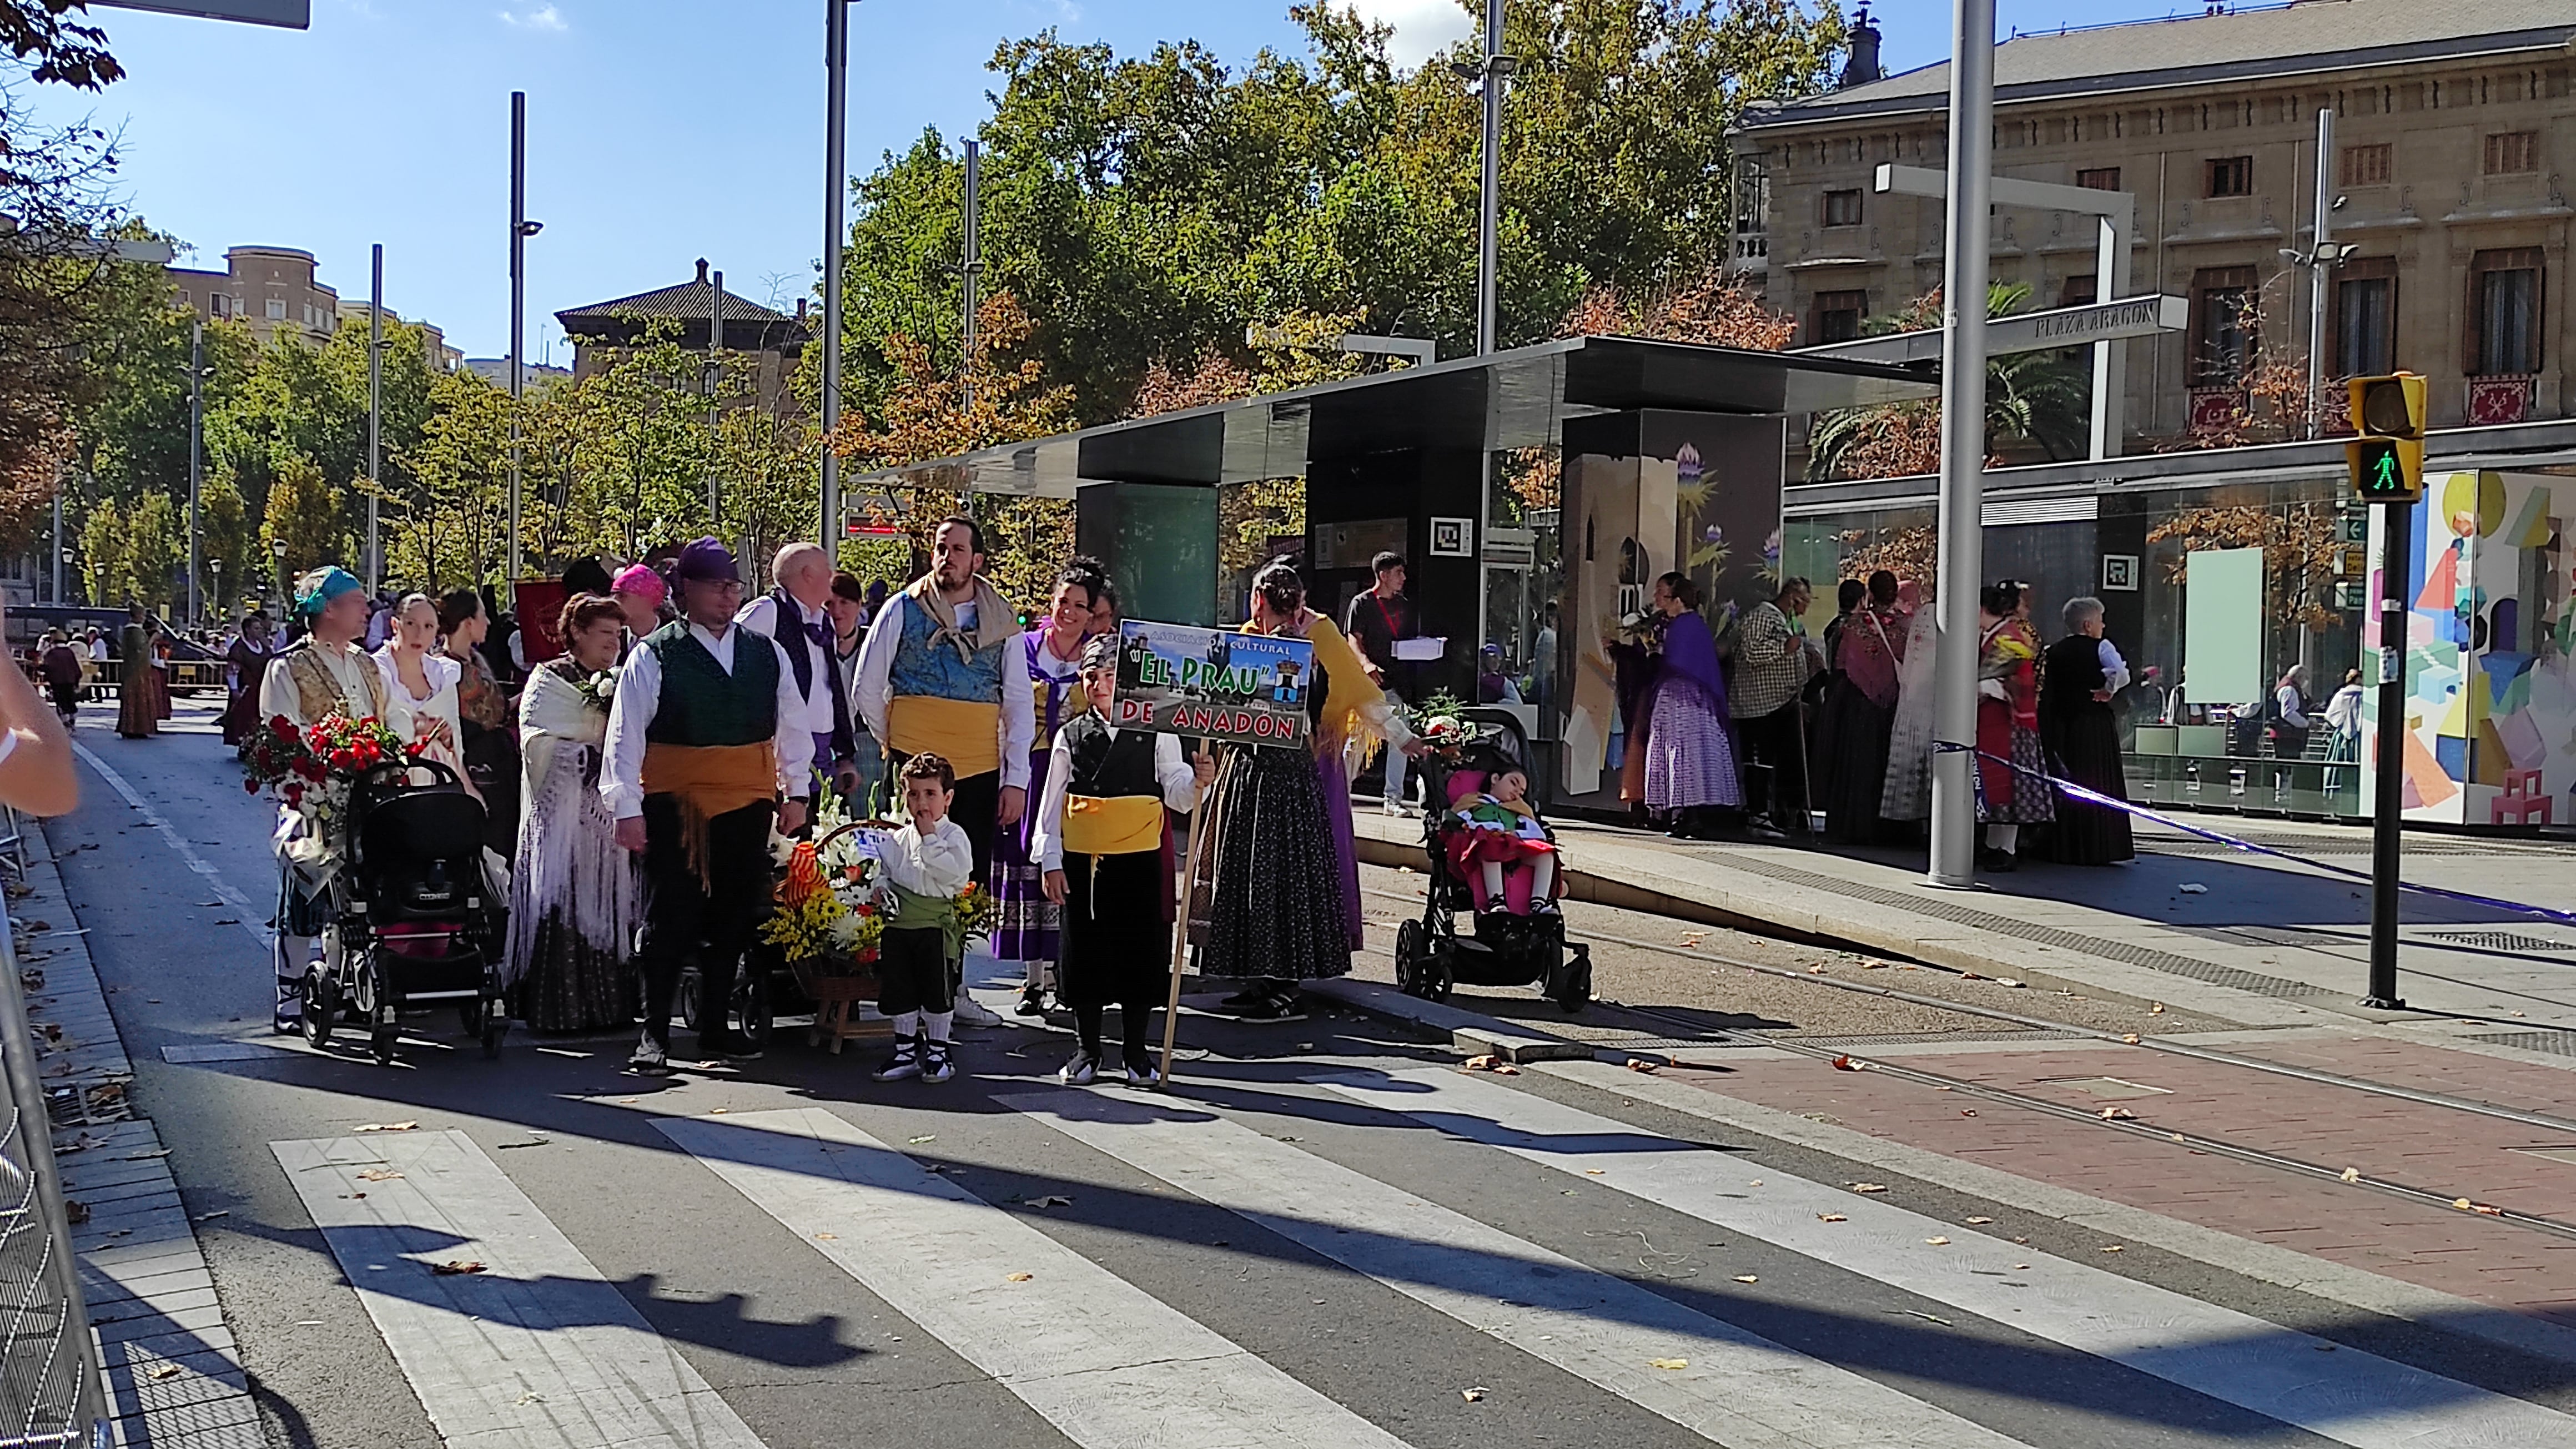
x,y
1112,825
968,732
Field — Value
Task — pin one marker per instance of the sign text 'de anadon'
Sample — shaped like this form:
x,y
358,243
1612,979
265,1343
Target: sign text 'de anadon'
x,y
1214,683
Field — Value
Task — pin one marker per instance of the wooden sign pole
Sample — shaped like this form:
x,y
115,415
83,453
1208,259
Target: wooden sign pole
x,y
1200,829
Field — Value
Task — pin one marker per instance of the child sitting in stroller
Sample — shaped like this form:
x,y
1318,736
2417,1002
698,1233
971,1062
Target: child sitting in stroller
x,y
1499,846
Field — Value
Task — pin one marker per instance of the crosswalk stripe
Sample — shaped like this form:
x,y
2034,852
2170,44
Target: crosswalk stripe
x,y
1740,1389
1105,1362
2345,1395
537,1350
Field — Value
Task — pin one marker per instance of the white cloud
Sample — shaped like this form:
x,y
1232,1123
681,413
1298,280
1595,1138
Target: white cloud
x,y
1422,27
542,17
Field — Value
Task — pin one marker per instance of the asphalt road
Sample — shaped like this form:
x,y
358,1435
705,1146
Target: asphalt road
x,y
1327,1236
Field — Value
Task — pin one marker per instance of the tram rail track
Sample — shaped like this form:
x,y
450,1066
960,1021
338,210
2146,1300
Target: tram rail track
x,y
1680,1028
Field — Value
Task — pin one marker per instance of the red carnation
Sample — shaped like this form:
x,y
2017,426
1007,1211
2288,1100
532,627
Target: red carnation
x,y
251,785
282,727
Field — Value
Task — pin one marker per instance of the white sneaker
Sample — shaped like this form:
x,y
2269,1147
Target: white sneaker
x,y
974,1013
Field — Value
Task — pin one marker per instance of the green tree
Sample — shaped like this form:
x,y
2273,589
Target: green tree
x,y
228,537
2036,402
105,560
450,527
155,550
307,513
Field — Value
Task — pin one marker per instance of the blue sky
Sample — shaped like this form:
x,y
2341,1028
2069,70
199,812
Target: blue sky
x,y
659,130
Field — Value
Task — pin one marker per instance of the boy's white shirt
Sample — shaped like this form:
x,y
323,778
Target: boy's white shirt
x,y
937,864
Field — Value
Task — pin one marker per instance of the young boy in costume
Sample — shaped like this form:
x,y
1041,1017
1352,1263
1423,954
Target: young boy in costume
x,y
926,864
1099,840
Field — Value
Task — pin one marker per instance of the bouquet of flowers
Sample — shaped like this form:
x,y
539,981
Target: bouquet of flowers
x,y
1440,721
599,690
311,771
827,914
975,910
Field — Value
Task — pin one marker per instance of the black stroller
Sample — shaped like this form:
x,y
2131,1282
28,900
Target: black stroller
x,y
1505,949
412,923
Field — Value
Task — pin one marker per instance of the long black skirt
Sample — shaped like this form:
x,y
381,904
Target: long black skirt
x,y
2085,750
573,986
1117,948
1274,907
1851,762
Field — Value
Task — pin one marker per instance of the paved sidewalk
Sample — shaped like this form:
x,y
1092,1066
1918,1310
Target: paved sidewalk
x,y
2261,943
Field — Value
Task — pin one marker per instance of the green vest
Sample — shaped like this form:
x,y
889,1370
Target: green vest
x,y
703,705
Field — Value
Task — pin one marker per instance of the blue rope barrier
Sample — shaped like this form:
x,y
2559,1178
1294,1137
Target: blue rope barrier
x,y
2074,791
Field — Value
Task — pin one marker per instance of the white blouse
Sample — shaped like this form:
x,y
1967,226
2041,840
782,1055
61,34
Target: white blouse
x,y
1179,785
432,717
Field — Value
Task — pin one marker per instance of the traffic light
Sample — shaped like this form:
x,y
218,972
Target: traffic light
x,y
2387,460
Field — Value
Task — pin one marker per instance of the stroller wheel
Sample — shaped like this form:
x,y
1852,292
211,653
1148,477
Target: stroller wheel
x,y
691,984
751,1005
1573,987
1408,958
1438,976
321,1005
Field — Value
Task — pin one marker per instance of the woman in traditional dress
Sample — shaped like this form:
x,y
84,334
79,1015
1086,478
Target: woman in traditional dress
x,y
2017,793
420,687
1690,761
1907,798
1027,927
575,895
489,739
1099,841
1281,878
2081,731
1860,710
245,663
138,670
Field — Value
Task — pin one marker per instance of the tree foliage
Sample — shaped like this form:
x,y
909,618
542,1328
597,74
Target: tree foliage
x,y
2035,401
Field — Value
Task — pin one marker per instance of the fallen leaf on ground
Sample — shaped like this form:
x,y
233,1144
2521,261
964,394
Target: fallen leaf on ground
x,y
715,1111
1977,1221
2488,1209
1746,1278
1637,1065
2192,888
1926,1317
1937,1242
925,1137
2006,981
456,1266
1816,970
1668,1363
2156,1010
2131,1038
1051,1200
76,1212
1970,976
2352,1174
1017,1277
210,1217
1592,1172
2115,1248
147,1156
2021,1267
1844,1064
387,1127
2118,1114
168,1371
379,1174
1475,1395
1869,1187
1831,1218
2461,1203
828,1237
1967,1111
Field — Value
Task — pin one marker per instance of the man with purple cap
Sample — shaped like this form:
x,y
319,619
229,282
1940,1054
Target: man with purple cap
x,y
795,615
707,738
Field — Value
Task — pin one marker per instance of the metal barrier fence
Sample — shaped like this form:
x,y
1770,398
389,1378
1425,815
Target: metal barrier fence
x,y
51,1390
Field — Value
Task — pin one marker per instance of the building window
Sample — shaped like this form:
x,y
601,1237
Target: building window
x,y
216,303
2365,303
2099,178
276,309
1752,213
1838,315
2221,329
2080,291
2504,316
2365,166
2231,176
1842,208
2511,153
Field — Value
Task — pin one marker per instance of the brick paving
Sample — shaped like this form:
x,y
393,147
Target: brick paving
x,y
2443,1150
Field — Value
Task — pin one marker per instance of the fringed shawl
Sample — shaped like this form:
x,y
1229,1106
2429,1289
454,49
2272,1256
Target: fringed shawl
x,y
569,862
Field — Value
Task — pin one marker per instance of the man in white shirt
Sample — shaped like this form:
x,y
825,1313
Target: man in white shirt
x,y
707,738
794,614
939,674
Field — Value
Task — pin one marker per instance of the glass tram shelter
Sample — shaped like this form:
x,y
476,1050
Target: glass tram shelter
x,y
1537,494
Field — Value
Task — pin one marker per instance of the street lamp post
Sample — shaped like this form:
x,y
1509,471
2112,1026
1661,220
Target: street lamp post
x,y
216,566
836,125
196,453
1496,75
520,230
285,585
375,419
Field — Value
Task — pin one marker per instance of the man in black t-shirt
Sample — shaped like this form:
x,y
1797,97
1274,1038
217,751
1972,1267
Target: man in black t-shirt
x,y
1374,621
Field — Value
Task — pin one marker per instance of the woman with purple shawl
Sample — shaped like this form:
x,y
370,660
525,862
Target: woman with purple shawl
x,y
1690,762
1029,927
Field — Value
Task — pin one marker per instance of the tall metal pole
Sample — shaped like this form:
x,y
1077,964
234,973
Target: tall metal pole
x,y
1963,440
2320,274
375,419
836,125
972,267
518,300
715,388
58,535
196,455
2388,804
1489,196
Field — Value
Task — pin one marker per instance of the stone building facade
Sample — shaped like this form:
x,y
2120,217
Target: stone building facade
x,y
269,288
2455,136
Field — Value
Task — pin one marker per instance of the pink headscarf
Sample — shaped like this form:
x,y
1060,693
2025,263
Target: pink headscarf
x,y
643,583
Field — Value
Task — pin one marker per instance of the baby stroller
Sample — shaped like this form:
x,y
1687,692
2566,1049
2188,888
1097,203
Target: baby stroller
x,y
1505,949
412,923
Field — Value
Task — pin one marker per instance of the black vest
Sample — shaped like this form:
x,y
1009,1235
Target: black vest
x,y
1106,767
701,704
803,657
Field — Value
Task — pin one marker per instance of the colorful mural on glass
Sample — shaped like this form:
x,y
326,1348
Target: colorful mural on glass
x,y
2490,730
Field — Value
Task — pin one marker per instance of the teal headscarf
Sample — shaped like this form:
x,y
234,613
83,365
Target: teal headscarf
x,y
316,590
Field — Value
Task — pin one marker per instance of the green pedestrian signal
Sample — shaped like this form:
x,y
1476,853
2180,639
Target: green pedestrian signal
x,y
2387,460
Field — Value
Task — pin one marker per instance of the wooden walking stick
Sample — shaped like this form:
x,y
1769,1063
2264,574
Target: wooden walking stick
x,y
1200,829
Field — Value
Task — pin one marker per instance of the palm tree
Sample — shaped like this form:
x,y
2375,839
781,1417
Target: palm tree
x,y
2042,398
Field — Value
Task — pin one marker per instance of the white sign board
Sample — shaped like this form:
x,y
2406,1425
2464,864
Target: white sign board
x,y
293,14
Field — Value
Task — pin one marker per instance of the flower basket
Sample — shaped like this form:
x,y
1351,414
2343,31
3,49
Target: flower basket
x,y
827,924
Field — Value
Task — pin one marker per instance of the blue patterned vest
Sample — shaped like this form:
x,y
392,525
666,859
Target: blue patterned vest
x,y
920,668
